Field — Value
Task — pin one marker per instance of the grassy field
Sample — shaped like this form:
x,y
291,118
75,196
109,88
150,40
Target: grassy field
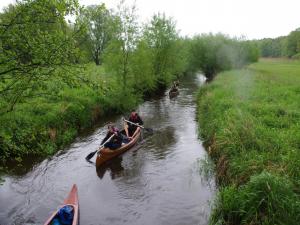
x,y
45,123
249,120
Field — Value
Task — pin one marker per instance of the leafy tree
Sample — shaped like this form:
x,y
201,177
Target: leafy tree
x,y
282,46
251,51
161,36
293,43
119,52
100,28
179,61
214,53
142,69
272,47
35,45
204,50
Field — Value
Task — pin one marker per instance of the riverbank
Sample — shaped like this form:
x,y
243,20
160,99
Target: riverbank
x,y
249,121
43,124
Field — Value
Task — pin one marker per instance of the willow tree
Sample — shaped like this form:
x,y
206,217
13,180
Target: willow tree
x,y
214,53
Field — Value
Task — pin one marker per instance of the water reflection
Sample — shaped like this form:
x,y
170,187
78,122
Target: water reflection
x,y
162,142
114,166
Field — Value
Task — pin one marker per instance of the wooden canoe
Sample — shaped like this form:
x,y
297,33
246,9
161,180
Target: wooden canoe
x,y
108,154
71,200
173,93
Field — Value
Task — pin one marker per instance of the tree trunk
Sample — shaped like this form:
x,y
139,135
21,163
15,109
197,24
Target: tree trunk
x,y
97,60
209,76
97,57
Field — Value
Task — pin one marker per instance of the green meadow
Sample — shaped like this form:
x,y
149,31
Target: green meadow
x,y
249,120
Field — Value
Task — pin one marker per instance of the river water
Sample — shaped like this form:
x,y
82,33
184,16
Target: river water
x,y
157,182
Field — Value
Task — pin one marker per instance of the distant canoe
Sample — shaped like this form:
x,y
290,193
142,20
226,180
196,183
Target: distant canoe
x,y
173,93
71,200
108,154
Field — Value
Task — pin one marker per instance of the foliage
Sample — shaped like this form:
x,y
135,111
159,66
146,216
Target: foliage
x,y
214,53
161,36
285,46
159,56
293,43
272,47
248,120
119,52
43,49
100,29
144,80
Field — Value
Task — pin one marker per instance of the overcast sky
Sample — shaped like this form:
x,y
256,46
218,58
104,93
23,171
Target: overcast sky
x,y
251,18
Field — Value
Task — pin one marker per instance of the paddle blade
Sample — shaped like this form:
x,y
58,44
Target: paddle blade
x,y
89,156
149,130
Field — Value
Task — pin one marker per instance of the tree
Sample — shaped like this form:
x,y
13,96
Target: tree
x,y
161,36
120,50
250,51
35,45
273,47
100,29
214,53
142,69
293,43
204,49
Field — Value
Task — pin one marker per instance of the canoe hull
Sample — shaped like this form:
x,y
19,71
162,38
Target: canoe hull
x,y
109,154
71,200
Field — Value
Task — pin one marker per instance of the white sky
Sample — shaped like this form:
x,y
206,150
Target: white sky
x,y
250,18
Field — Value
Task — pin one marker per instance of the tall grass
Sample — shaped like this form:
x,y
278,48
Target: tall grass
x,y
249,121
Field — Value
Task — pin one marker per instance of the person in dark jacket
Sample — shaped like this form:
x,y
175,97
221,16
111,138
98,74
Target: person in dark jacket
x,y
132,130
116,141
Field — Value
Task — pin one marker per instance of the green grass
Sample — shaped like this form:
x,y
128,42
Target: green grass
x,y
250,122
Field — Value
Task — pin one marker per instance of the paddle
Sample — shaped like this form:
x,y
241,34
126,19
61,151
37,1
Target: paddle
x,y
150,130
89,156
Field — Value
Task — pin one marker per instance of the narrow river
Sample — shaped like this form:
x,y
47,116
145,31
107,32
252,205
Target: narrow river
x,y
157,182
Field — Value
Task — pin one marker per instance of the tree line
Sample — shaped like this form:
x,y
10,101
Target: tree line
x,y
285,46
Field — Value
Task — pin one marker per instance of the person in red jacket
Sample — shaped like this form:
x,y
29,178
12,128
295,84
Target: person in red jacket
x,y
131,130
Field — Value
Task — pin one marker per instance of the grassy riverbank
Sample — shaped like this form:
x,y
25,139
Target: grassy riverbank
x,y
249,121
45,123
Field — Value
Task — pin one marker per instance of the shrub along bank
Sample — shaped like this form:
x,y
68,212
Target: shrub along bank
x,y
249,121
